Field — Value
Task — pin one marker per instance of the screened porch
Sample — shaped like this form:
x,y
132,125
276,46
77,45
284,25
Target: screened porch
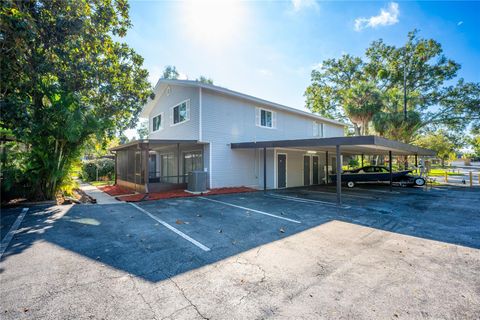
x,y
157,165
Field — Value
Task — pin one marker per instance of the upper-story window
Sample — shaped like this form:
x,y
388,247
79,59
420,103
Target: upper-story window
x,y
265,118
157,123
181,112
317,129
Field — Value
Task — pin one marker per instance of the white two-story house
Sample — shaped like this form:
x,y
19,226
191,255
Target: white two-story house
x,y
193,125
238,140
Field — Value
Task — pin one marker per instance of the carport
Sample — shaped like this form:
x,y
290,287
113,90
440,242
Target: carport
x,y
357,145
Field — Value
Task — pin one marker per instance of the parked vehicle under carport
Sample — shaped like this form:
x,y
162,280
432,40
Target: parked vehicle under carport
x,y
379,174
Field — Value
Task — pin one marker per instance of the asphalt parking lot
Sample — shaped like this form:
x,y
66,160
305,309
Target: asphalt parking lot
x,y
292,254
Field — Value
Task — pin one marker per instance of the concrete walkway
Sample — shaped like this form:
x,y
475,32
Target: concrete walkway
x,y
94,192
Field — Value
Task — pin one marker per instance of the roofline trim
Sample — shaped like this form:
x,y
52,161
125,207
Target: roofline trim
x,y
192,83
147,142
334,141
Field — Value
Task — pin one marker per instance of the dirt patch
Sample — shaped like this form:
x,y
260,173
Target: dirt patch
x,y
181,194
79,196
115,190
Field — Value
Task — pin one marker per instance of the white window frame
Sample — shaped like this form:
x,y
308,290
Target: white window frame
x,y
258,118
162,121
318,128
172,124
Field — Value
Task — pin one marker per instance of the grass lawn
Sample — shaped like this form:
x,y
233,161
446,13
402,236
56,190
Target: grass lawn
x,y
441,173
101,183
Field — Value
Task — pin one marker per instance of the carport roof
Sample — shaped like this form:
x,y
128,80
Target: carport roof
x,y
349,145
152,143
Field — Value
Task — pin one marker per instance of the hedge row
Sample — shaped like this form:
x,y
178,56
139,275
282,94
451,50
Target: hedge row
x,y
105,167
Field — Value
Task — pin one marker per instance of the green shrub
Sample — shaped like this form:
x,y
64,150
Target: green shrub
x,y
105,167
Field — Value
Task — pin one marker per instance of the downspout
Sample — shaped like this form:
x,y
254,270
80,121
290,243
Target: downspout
x,y
200,133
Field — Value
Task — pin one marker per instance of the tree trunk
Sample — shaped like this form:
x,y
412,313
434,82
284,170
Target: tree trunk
x,y
357,129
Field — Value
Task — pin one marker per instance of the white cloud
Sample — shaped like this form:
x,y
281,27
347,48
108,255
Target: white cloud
x,y
265,72
304,4
317,66
386,17
182,76
459,23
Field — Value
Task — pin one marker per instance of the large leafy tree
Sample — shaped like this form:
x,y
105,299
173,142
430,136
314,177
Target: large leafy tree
x,y
444,144
65,78
361,102
330,86
170,72
474,142
142,129
417,76
205,80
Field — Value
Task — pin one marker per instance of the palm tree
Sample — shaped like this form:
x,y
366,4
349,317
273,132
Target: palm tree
x,y
362,101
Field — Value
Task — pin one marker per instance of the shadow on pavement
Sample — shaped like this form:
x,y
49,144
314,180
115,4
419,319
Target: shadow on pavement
x,y
124,238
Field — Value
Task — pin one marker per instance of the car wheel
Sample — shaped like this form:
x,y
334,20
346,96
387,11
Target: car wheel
x,y
350,184
419,182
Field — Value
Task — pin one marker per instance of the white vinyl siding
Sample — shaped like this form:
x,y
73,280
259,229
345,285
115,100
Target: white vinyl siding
x,y
180,113
187,130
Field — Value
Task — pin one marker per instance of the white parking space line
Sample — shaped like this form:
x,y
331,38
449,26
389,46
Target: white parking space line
x,y
343,194
249,209
171,228
13,229
364,189
376,190
309,201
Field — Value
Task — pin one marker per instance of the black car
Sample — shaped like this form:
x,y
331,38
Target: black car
x,y
378,174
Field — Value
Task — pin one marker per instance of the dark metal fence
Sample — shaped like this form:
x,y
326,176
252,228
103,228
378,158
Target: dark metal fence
x,y
155,177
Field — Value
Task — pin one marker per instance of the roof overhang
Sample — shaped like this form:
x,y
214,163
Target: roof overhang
x,y
371,145
148,143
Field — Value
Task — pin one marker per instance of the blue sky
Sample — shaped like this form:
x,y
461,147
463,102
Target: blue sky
x,y
268,48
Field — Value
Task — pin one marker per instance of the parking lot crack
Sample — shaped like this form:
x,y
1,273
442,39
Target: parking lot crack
x,y
143,298
188,299
258,252
262,279
175,312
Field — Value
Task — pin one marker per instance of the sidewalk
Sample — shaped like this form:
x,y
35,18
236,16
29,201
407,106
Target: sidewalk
x,y
94,192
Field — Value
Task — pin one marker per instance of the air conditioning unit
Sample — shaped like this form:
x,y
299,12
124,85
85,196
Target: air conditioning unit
x,y
197,181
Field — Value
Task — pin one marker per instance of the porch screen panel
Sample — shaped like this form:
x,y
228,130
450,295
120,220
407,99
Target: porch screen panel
x,y
168,167
131,165
192,161
122,165
126,165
